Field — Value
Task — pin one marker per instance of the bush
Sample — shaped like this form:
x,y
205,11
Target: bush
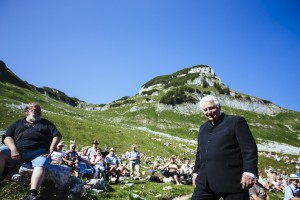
x,y
179,81
149,92
178,96
222,90
204,83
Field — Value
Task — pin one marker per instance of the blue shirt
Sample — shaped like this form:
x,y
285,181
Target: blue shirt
x,y
135,155
290,192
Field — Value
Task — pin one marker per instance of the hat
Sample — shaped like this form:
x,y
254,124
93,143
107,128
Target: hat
x,y
95,142
293,177
60,144
112,149
133,145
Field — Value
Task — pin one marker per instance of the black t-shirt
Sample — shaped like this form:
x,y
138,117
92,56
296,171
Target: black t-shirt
x,y
29,137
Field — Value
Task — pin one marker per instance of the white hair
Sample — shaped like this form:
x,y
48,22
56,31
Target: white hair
x,y
210,98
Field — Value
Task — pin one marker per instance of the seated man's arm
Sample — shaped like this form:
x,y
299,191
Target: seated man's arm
x,y
55,141
10,143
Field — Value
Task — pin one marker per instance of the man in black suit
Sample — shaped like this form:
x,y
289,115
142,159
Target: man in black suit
x,y
226,159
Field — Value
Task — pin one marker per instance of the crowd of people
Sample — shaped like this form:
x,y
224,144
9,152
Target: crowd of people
x,y
278,180
92,162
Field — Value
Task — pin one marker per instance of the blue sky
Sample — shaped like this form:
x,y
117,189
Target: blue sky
x,y
100,51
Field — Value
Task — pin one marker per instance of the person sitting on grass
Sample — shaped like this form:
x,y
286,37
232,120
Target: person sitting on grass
x,y
172,170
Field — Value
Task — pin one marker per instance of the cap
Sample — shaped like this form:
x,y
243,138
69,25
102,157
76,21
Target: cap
x,y
95,142
112,149
60,144
293,177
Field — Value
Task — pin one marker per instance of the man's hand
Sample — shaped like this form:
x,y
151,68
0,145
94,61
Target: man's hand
x,y
194,179
15,155
247,182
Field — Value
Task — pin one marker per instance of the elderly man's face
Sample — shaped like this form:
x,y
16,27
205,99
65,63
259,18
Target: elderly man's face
x,y
210,111
34,113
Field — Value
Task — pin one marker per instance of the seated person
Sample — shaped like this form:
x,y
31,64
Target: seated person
x,y
172,169
185,170
58,156
92,150
292,191
84,162
257,191
97,161
112,163
279,185
72,158
29,140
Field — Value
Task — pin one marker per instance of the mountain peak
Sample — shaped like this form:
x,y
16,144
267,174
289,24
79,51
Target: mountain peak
x,y
181,90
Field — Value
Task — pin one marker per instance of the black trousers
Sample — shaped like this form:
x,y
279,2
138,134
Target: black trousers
x,y
208,194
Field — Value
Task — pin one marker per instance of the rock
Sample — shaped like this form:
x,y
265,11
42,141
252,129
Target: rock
x,y
168,188
98,184
57,174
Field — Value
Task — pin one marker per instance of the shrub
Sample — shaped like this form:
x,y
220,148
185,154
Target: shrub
x,y
179,81
149,92
177,96
222,90
204,83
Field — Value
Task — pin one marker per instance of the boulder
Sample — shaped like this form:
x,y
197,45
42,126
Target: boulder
x,y
57,174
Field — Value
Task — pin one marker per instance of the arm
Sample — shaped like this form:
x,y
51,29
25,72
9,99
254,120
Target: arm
x,y
10,143
249,152
55,141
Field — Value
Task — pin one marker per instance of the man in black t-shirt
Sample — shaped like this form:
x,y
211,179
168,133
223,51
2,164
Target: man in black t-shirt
x,y
31,139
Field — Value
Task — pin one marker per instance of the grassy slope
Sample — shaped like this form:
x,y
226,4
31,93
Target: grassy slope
x,y
117,127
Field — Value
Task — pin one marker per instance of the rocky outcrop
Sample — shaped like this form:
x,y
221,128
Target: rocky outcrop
x,y
207,76
252,105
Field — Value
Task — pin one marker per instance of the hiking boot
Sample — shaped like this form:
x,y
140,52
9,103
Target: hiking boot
x,y
32,197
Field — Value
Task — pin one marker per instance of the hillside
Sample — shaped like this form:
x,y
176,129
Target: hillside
x,y
165,106
164,111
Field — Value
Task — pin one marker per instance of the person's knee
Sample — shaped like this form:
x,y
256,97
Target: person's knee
x,y
2,157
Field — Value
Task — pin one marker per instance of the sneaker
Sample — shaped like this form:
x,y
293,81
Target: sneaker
x,y
17,178
32,197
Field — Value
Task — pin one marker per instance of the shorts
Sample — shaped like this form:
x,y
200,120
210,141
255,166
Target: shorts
x,y
32,156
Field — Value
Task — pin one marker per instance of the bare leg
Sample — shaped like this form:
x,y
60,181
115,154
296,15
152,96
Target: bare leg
x,y
176,179
37,177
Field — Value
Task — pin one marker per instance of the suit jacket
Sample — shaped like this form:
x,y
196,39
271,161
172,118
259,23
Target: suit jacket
x,y
225,150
